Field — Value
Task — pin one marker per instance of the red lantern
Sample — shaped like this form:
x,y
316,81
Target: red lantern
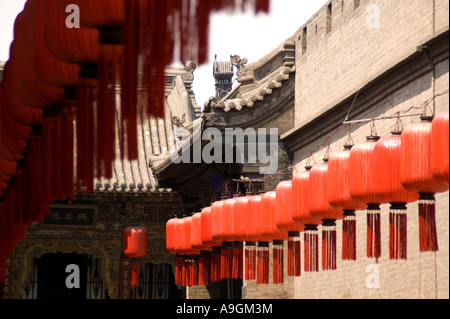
x,y
170,236
417,176
302,215
389,189
320,208
135,246
271,233
135,242
241,207
210,242
222,231
253,224
362,189
191,254
173,233
284,221
228,249
197,243
339,171
440,148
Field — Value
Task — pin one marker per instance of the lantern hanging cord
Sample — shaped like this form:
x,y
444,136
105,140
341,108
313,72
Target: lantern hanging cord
x,y
401,114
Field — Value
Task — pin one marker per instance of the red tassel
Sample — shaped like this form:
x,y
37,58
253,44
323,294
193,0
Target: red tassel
x,y
278,262
226,263
349,236
262,6
109,61
427,223
311,251
178,270
294,255
398,231
263,264
373,232
192,272
135,274
329,245
204,269
250,261
68,161
237,268
215,264
85,138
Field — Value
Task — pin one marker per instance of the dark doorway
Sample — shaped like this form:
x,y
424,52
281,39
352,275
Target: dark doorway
x,y
52,276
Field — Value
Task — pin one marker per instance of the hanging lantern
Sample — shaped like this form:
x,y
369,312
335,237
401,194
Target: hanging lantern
x,y
320,208
217,234
241,208
271,233
228,249
173,233
417,176
339,171
302,215
362,189
440,148
170,236
190,254
389,189
253,224
204,259
135,246
210,242
284,221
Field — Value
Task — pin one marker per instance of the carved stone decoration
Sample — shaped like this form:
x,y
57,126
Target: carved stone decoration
x,y
179,122
239,63
190,69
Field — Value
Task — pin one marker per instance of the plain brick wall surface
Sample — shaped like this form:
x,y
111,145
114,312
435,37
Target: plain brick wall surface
x,y
336,64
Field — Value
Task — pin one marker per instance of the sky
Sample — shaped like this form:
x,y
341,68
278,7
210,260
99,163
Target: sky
x,y
245,34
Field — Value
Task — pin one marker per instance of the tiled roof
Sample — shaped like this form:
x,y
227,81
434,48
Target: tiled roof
x,y
254,87
154,142
223,68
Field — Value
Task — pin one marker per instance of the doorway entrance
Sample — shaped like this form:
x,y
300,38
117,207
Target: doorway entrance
x,y
52,276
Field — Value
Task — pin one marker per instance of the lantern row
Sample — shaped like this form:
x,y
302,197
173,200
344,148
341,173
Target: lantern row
x,y
61,78
405,167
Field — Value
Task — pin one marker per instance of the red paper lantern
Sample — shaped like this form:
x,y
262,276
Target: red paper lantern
x,y
191,254
228,250
339,171
440,148
135,246
362,189
302,215
135,242
197,243
417,176
389,189
320,208
271,233
210,242
170,236
284,221
253,224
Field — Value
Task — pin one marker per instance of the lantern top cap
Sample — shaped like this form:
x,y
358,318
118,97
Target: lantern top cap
x,y
308,167
373,138
396,133
427,118
348,147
